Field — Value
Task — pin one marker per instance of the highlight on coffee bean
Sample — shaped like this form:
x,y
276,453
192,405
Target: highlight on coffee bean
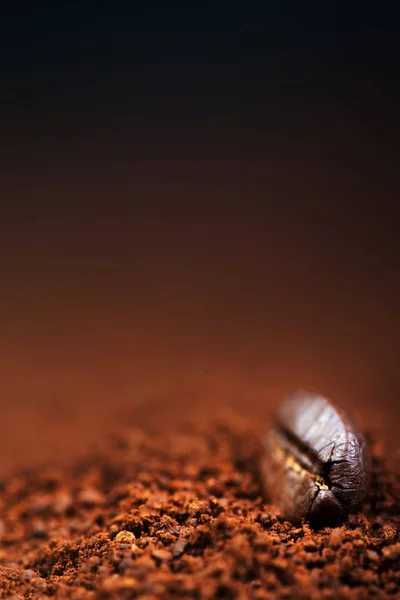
x,y
315,464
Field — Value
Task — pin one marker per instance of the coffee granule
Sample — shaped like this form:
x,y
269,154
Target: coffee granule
x,y
180,514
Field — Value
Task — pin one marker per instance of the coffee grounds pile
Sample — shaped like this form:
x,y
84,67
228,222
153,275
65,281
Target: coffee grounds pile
x,y
180,514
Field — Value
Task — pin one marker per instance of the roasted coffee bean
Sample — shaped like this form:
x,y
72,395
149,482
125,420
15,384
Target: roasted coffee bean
x,y
314,463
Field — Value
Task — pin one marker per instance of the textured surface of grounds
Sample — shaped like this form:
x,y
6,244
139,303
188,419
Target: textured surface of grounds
x,y
180,514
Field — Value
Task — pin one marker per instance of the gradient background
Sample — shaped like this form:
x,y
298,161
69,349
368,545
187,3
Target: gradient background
x,y
197,209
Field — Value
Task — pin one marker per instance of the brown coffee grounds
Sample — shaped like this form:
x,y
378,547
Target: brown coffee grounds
x,y
180,514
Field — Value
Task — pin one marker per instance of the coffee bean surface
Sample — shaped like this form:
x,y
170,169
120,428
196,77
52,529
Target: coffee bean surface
x,y
315,464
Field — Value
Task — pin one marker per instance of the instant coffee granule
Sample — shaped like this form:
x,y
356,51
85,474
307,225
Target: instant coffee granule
x,y
181,514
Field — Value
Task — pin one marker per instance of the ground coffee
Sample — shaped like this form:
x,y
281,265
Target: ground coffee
x,y
181,514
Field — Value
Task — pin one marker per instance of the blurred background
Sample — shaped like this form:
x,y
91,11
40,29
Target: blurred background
x,y
197,209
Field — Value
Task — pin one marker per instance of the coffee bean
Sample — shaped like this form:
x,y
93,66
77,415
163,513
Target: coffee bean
x,y
314,463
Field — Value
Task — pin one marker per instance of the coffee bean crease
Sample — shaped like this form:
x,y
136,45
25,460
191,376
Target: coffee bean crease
x,y
315,463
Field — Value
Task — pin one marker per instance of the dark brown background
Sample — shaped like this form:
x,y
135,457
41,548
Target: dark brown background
x,y
194,232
